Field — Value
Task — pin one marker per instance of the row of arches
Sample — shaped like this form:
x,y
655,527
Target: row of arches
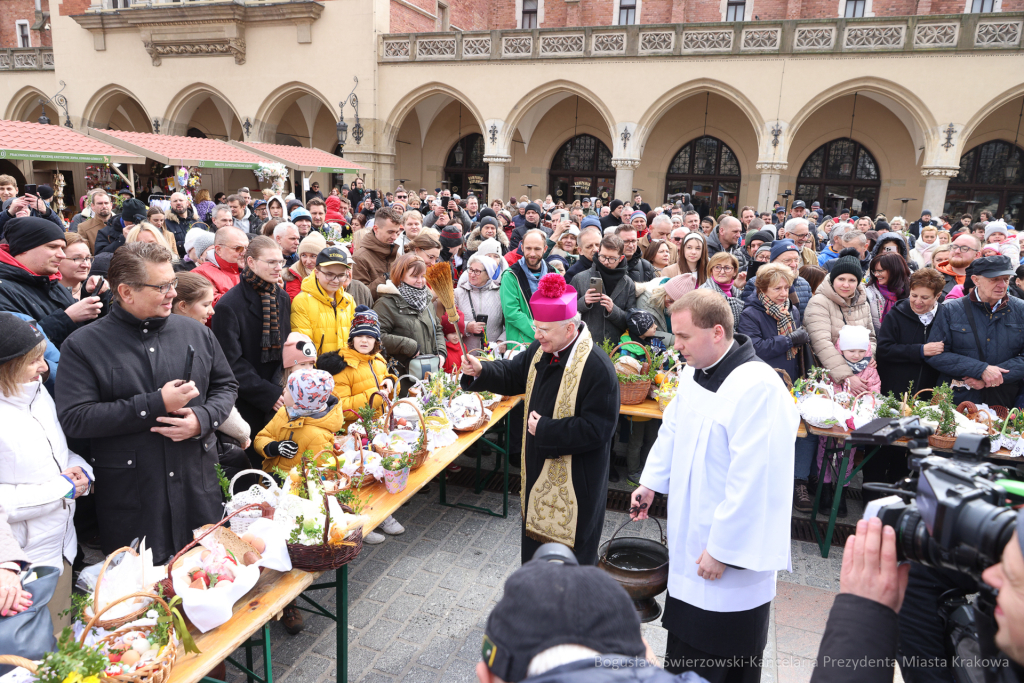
x,y
839,173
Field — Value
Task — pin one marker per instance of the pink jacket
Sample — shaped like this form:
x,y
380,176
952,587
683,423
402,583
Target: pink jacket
x,y
868,375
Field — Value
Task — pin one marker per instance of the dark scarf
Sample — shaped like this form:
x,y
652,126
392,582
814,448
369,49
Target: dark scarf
x,y
417,298
270,342
611,276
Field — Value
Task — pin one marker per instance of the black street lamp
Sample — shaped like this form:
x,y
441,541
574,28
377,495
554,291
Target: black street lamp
x,y
357,130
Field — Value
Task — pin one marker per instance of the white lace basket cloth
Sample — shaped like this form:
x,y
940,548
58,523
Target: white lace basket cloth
x,y
254,494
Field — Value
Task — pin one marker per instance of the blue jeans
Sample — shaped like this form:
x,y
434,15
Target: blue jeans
x,y
805,450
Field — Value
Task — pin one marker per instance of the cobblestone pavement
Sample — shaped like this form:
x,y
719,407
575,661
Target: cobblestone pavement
x,y
419,601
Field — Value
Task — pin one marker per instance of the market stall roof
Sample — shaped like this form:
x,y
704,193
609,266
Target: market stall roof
x,y
25,140
183,151
306,159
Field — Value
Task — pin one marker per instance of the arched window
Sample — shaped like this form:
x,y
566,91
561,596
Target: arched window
x,y
991,177
465,170
840,173
707,170
582,167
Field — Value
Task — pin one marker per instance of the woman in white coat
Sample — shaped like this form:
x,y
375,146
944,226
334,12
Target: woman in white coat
x,y
479,299
39,477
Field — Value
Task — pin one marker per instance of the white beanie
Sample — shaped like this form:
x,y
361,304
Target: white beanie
x,y
200,239
854,337
489,246
995,226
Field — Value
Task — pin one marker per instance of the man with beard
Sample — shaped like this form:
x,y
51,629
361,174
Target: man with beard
x,y
317,214
517,289
614,216
377,251
180,218
532,216
962,253
571,407
102,211
604,309
638,268
242,217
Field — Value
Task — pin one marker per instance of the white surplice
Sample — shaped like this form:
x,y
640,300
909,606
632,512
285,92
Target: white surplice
x,y
726,460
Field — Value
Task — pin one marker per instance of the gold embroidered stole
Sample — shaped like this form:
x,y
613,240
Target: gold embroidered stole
x,y
551,514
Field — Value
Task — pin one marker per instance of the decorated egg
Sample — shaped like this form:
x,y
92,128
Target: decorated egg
x,y
130,658
113,670
140,645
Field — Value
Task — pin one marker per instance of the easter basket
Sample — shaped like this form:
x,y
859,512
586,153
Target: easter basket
x,y
111,624
327,555
266,498
156,671
418,456
634,392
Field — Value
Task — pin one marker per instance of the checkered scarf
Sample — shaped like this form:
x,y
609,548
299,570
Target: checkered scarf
x,y
783,319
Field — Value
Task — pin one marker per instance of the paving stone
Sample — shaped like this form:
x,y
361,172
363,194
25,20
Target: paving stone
x,y
402,607
376,677
476,597
457,622
360,613
419,674
420,628
439,531
436,654
393,548
471,648
380,635
471,558
405,567
369,572
438,602
421,584
395,657
308,670
456,578
439,562
384,589
461,671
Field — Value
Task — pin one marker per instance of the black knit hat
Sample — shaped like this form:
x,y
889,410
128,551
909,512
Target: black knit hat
x,y
847,265
549,603
451,236
487,211
134,211
29,232
534,206
17,337
616,203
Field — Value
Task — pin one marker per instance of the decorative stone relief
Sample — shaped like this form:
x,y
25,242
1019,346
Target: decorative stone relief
x,y
707,41
48,60
476,47
998,34
435,47
657,41
5,60
609,43
26,60
940,171
517,45
771,166
822,38
234,46
561,45
761,39
874,37
396,49
936,35
628,164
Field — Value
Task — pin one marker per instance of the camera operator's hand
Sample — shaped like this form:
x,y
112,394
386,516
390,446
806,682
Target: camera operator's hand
x,y
869,565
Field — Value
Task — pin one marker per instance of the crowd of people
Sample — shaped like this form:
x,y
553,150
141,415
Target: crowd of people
x,y
297,312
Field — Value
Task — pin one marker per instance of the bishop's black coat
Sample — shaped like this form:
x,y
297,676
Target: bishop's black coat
x,y
108,392
587,436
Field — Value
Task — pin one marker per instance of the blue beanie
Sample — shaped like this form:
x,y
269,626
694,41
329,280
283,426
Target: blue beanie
x,y
590,222
780,247
365,322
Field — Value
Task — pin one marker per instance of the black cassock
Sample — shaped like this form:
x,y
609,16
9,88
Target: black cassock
x,y
587,436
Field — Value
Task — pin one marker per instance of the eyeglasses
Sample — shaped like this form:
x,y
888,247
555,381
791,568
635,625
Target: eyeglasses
x,y
630,241
800,235
546,332
238,249
958,248
332,278
163,289
677,239
274,263
722,269
401,196
477,271
609,260
78,261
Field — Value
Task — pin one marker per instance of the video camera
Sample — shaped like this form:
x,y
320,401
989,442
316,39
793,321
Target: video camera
x,y
955,512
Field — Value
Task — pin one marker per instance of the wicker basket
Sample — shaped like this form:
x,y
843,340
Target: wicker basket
x,y
634,393
167,585
15,660
479,422
418,457
111,624
941,441
1001,411
241,523
324,556
157,671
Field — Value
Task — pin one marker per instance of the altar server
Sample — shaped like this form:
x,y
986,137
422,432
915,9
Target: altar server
x,y
725,454
571,408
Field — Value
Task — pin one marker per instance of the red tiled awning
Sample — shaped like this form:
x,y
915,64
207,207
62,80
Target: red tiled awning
x,y
36,141
183,151
306,159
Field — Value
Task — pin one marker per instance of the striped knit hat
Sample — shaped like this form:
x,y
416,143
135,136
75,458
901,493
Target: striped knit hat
x,y
365,323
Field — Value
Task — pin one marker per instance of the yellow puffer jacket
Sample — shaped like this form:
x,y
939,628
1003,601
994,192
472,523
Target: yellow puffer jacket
x,y
359,380
325,322
310,433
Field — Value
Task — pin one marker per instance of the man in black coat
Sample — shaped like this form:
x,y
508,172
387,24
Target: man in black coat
x,y
113,235
30,280
27,205
151,435
563,372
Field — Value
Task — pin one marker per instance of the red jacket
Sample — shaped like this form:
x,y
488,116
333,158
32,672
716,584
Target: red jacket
x,y
292,281
334,214
453,357
222,274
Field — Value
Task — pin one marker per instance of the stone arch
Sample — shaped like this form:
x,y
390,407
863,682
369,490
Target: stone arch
x,y
183,106
311,104
444,94
670,99
542,93
24,106
986,110
905,105
114,102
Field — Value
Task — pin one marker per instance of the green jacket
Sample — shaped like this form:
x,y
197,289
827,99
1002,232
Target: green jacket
x,y
404,331
516,305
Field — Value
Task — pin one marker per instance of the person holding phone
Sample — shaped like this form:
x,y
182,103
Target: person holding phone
x,y
478,297
151,434
607,292
28,204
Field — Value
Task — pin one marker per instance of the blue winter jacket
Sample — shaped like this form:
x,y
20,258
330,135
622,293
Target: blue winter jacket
x,y
1001,333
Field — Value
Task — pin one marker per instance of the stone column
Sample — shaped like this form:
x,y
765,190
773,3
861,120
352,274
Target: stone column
x,y
769,189
496,164
624,178
935,184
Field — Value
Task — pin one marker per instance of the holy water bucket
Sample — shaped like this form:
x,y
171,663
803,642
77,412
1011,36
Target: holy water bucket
x,y
640,565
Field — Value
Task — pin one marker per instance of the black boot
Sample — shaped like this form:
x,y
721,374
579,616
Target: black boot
x,y
825,504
